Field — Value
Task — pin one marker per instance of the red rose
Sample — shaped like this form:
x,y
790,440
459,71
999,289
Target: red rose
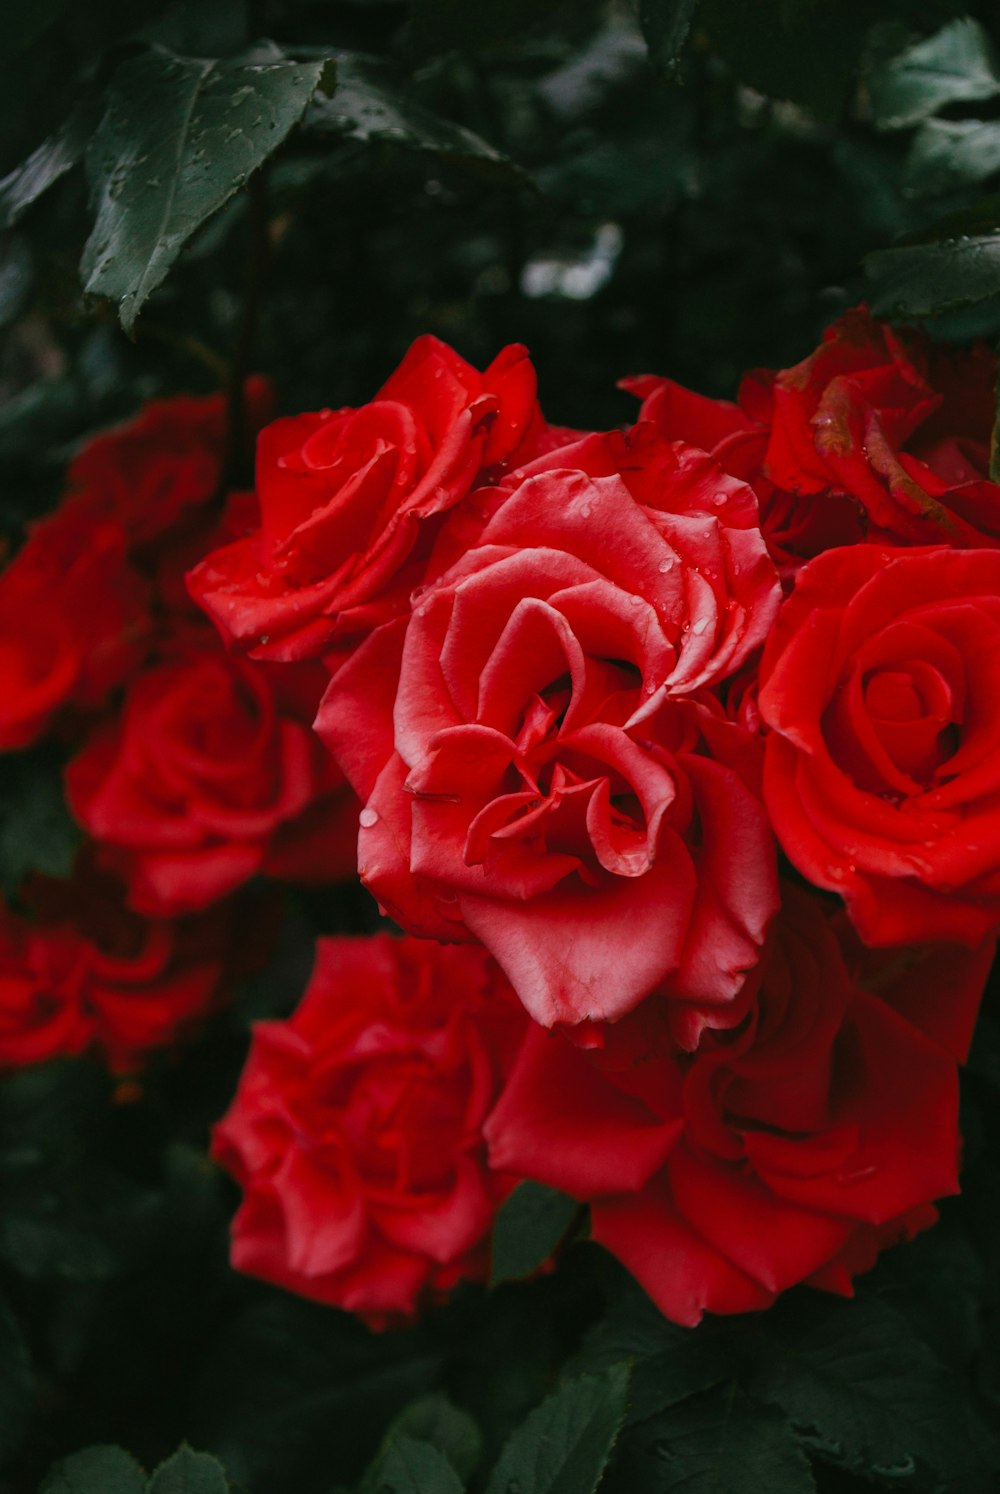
x,y
82,971
150,473
795,526
356,1131
880,685
39,1017
791,1148
863,416
73,622
343,494
533,779
201,781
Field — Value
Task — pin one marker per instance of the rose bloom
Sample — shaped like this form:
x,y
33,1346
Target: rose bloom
x,y
880,685
795,526
74,622
39,1016
791,1148
356,1131
344,493
206,779
535,776
900,425
80,971
154,472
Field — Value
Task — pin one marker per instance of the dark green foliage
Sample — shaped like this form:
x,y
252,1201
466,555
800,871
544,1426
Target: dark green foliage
x,y
718,1442
529,1227
564,1445
37,833
411,1467
302,188
96,1470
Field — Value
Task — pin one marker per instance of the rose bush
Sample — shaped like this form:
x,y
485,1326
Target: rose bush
x,y
880,685
356,1131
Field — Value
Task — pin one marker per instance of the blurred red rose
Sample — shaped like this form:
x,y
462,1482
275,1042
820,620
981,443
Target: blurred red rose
x,y
881,686
203,781
791,1148
79,970
74,622
343,494
39,1015
152,473
532,778
356,1131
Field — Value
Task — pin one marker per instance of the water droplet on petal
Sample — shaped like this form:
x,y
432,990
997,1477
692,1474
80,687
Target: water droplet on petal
x,y
699,627
665,566
367,818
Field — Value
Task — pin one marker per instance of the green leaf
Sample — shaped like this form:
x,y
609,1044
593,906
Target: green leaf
x,y
665,25
96,1470
956,65
366,105
437,1420
930,278
16,1384
50,161
867,1393
530,1224
16,277
716,1443
564,1445
411,1467
189,1472
36,831
948,154
668,1363
180,136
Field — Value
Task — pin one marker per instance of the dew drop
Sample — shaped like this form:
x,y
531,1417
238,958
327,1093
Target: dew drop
x,y
665,566
718,499
367,818
636,601
586,510
699,627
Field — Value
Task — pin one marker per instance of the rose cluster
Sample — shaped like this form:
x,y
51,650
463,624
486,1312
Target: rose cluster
x,y
189,770
673,750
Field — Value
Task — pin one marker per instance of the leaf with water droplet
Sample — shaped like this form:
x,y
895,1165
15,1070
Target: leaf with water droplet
x,y
369,105
175,115
925,279
50,161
